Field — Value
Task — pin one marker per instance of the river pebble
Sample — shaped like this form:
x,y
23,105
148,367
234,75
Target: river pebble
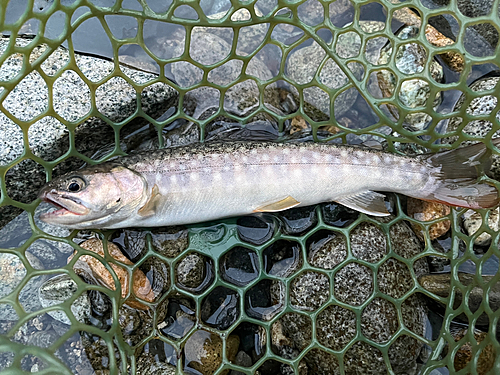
x,y
92,268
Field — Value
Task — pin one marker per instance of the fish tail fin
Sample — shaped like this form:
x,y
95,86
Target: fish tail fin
x,y
457,174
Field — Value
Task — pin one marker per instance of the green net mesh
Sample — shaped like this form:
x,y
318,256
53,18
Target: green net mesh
x,y
319,290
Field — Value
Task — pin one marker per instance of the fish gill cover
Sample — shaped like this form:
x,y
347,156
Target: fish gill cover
x,y
315,290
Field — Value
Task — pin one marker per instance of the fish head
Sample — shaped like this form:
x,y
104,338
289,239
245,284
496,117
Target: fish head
x,y
94,197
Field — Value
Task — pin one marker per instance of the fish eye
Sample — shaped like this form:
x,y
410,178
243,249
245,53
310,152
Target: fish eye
x,y
76,184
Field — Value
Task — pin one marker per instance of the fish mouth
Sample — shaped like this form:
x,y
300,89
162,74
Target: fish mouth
x,y
66,206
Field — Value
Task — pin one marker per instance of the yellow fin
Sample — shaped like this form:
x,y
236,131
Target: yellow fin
x,y
151,204
281,205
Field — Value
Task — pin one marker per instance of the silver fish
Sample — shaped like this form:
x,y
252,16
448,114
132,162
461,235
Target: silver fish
x,y
215,180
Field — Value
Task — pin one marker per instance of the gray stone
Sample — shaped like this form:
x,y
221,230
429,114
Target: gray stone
x,y
472,221
57,290
191,271
414,93
12,273
249,37
354,285
309,291
208,49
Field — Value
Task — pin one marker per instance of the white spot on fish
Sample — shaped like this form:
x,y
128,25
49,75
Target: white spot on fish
x,y
217,176
286,151
173,178
344,153
265,157
375,159
316,155
297,172
194,176
253,152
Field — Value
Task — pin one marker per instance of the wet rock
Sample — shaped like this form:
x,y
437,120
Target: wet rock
x,y
301,68
168,241
291,334
479,106
249,37
239,266
454,60
440,284
220,309
203,352
427,211
57,290
208,49
191,271
326,249
180,317
147,364
49,138
413,93
303,64
91,268
265,299
12,273
297,221
465,354
473,221
282,258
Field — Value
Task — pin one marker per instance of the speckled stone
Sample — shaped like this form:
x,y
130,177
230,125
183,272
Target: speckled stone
x,y
353,276
249,37
464,354
427,211
413,93
191,271
12,273
309,291
328,252
472,221
203,352
208,49
354,284
293,331
57,290
147,364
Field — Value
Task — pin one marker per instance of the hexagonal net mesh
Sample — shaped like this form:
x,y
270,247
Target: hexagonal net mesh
x,y
315,290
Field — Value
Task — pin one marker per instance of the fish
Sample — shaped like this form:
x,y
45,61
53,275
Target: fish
x,y
215,180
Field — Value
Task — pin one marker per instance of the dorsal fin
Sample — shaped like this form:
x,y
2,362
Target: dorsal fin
x,y
151,204
368,202
280,205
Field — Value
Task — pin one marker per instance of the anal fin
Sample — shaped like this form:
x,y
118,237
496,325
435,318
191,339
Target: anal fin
x,y
368,202
152,203
280,205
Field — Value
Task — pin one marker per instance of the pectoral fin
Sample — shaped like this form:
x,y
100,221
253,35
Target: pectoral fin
x,y
368,202
281,205
152,203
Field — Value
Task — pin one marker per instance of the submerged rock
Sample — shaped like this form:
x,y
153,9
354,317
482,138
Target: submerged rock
x,y
91,268
473,221
414,93
427,211
57,290
440,285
